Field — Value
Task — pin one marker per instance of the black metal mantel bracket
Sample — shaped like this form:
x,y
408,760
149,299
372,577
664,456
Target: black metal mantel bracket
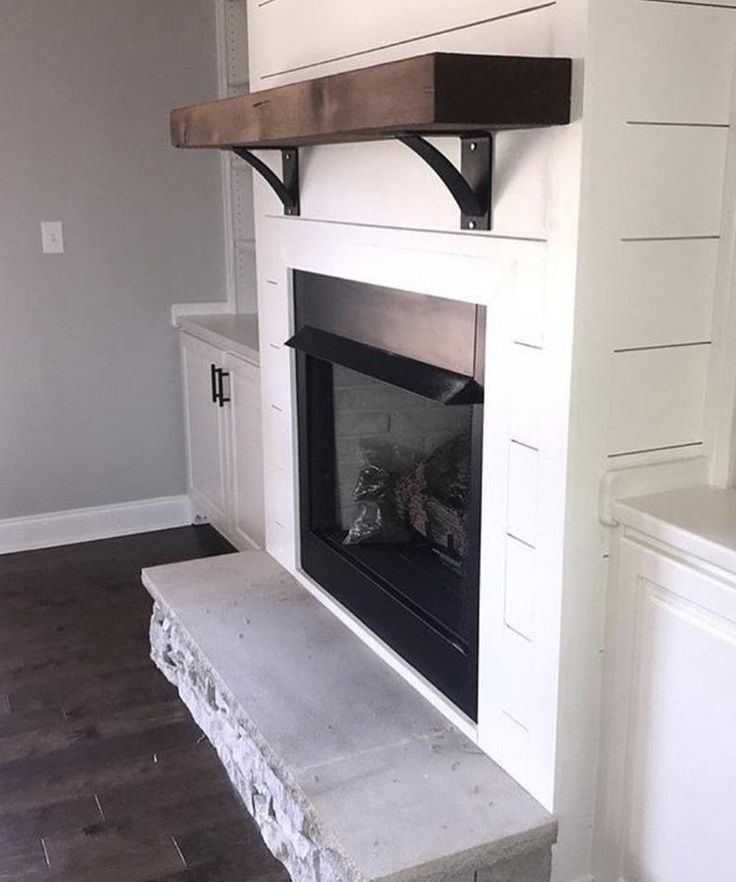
x,y
472,185
287,186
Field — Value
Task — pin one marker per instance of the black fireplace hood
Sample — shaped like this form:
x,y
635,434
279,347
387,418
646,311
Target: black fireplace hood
x,y
427,380
397,474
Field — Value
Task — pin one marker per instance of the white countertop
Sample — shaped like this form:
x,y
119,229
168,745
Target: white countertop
x,y
700,521
235,333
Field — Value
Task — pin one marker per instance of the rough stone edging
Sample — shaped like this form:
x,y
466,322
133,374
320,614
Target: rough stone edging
x,y
282,811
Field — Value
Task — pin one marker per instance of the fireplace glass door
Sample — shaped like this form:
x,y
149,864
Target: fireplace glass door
x,y
389,493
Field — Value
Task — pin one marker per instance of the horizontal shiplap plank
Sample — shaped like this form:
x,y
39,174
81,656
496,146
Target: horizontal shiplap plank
x,y
658,398
679,63
351,35
357,183
664,292
672,180
731,4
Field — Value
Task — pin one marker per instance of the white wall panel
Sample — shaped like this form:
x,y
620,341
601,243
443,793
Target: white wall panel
x,y
274,307
386,183
658,398
341,31
527,365
276,367
663,292
529,303
523,493
281,442
517,697
514,747
671,181
280,509
522,587
680,62
453,264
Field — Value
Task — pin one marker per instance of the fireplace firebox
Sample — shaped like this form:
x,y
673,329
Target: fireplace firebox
x,y
390,392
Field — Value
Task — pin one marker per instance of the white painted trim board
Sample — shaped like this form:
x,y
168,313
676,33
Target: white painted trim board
x,y
87,524
205,307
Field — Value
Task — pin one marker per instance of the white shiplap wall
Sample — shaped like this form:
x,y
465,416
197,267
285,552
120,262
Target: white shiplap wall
x,y
657,116
599,277
673,113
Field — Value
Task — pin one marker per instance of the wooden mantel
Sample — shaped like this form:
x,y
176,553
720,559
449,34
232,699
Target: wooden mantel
x,y
470,96
439,93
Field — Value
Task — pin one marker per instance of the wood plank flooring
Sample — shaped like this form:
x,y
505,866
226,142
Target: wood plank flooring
x,y
104,777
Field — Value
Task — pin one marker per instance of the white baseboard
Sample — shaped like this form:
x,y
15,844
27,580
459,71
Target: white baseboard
x,y
87,524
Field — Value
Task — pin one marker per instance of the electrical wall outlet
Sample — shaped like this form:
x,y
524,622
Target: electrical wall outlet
x,y
52,237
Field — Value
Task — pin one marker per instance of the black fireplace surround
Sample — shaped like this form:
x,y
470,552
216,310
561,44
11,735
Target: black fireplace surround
x,y
390,392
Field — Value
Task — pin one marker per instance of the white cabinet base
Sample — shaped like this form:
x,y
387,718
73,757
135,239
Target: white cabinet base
x,y
668,780
206,452
224,454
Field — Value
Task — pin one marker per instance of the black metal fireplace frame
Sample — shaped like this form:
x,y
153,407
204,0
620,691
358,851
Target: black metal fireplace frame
x,y
445,659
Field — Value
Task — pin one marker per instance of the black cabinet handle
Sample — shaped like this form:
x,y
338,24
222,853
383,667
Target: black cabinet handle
x,y
213,380
220,392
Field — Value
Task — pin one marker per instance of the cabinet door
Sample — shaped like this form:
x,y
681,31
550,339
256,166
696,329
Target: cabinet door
x,y
205,428
669,792
245,453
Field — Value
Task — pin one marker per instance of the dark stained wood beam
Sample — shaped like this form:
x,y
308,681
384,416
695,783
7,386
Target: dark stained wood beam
x,y
439,93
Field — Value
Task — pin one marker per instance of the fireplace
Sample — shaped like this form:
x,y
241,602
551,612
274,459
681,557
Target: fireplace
x,y
390,429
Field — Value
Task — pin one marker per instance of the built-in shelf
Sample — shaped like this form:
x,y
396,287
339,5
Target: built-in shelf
x,y
470,96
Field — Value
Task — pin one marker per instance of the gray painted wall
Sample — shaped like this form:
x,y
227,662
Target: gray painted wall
x,y
90,397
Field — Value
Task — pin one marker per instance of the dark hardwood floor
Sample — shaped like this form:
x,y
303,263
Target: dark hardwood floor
x,y
104,777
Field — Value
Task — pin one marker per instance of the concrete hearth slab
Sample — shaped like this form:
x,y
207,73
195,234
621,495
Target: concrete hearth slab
x,y
349,772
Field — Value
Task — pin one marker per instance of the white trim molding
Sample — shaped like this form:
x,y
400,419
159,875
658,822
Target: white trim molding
x,y
645,478
211,307
721,398
86,524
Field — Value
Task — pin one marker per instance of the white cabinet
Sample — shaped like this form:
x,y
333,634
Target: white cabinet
x,y
223,427
206,430
668,785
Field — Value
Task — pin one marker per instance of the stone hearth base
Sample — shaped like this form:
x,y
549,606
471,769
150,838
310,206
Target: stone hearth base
x,y
350,775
